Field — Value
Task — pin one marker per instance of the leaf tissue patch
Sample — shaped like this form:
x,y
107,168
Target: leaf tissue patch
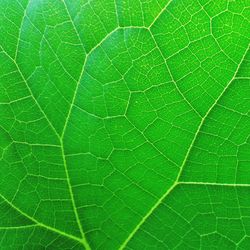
x,y
124,124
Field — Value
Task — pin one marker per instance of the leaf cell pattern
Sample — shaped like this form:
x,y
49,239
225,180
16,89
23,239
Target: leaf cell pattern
x,y
124,124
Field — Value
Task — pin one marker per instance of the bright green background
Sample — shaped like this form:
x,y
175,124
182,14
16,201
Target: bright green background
x,y
124,124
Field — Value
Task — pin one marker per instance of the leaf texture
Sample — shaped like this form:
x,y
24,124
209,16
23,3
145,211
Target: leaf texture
x,y
124,124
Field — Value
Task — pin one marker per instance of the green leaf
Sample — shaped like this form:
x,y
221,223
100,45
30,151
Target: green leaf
x,y
124,124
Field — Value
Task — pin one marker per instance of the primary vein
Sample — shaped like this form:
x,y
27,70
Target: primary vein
x,y
84,240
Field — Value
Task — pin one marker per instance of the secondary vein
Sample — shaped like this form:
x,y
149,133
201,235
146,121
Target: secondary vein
x,y
123,245
38,223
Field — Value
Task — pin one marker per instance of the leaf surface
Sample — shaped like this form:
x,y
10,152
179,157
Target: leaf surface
x,y
124,124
